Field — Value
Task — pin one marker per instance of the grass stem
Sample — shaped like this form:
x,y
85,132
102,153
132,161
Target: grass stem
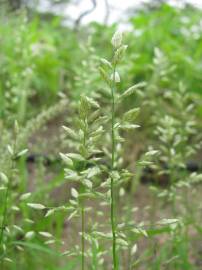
x,y
83,237
113,222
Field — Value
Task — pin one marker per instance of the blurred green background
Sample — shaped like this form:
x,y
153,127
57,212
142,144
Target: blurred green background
x,y
48,55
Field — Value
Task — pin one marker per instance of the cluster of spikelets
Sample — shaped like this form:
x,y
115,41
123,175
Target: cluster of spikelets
x,y
13,204
98,179
104,181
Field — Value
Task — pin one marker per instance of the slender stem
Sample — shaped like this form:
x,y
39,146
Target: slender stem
x,y
83,210
113,222
82,237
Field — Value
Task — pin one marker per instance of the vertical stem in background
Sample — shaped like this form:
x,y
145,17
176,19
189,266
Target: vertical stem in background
x,y
4,215
172,182
23,100
113,222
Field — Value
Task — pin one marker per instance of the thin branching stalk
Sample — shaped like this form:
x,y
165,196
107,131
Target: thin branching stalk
x,y
113,220
83,209
83,237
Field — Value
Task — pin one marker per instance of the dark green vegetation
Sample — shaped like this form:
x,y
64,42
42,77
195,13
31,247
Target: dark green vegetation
x,y
118,198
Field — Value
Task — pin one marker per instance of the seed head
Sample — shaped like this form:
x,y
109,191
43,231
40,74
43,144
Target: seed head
x,y
117,39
